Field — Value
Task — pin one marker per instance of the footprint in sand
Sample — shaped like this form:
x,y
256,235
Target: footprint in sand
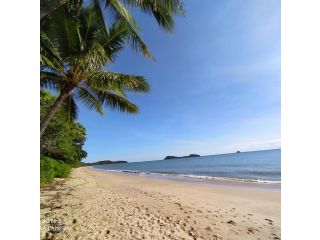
x,y
215,237
269,221
208,228
231,222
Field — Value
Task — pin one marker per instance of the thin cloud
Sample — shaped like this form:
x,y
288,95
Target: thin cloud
x,y
255,145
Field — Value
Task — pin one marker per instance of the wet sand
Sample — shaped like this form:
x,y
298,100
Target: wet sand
x,y
94,204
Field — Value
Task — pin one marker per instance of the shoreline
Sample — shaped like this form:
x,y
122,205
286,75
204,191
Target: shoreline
x,y
217,181
92,204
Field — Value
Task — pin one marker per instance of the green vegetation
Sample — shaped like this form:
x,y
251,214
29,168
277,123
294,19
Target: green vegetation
x,y
63,139
51,168
105,162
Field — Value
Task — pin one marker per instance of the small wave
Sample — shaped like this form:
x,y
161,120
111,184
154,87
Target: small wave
x,y
230,179
262,181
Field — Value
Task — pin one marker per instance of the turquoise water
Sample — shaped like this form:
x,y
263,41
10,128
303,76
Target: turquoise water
x,y
257,166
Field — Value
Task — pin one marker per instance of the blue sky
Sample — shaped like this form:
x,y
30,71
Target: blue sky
x,y
215,86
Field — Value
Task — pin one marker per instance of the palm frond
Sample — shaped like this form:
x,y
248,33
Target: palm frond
x,y
119,11
50,80
116,102
89,99
62,28
106,80
49,6
49,55
114,40
122,16
99,45
138,44
97,8
92,58
162,10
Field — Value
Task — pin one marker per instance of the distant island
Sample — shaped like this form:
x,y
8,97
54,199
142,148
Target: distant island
x,y
103,163
238,151
174,157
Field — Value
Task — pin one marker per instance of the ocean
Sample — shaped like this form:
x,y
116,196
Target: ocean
x,y
257,166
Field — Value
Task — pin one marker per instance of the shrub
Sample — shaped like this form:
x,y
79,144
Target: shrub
x,y
61,169
46,170
51,168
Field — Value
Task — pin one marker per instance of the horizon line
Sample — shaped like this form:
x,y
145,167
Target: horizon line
x,y
190,153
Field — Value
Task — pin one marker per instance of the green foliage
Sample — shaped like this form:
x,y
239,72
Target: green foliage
x,y
61,169
51,168
63,139
82,49
114,11
46,170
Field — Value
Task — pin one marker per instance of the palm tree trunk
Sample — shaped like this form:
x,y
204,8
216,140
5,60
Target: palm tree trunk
x,y
58,102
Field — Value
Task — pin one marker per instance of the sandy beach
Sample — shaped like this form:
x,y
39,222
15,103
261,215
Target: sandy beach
x,y
93,204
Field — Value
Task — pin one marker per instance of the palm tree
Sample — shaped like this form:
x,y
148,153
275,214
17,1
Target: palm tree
x,y
77,43
80,48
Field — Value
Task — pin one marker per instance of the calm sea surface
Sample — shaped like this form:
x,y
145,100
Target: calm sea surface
x,y
258,166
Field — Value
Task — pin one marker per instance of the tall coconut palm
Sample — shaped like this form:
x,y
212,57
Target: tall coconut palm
x,y
64,49
80,48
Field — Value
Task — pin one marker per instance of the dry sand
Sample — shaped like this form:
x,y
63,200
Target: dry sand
x,y
94,204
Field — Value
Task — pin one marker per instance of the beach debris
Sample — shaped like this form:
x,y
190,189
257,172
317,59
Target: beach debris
x,y
250,230
74,221
231,222
269,221
47,235
42,206
215,237
57,207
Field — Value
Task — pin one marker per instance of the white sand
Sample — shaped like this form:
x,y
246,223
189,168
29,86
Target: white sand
x,y
94,204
